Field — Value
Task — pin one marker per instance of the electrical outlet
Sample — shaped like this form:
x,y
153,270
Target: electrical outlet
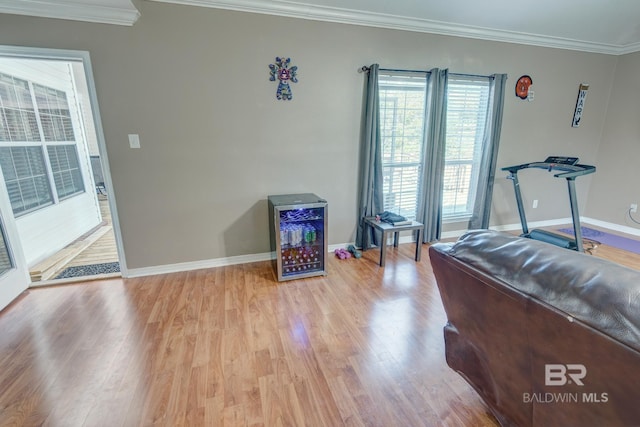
x,y
134,140
535,204
633,208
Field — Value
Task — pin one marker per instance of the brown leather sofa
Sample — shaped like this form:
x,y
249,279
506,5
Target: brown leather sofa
x,y
546,336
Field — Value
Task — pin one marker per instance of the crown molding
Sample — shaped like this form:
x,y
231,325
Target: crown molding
x,y
630,48
372,19
61,9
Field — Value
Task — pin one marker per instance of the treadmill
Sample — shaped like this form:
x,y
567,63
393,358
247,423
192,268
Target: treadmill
x,y
563,167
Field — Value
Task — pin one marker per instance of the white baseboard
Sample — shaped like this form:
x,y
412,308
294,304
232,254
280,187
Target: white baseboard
x,y
564,221
555,222
211,263
197,265
535,224
267,256
332,248
511,227
612,226
452,234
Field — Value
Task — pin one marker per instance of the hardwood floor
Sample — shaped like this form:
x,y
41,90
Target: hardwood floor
x,y
230,346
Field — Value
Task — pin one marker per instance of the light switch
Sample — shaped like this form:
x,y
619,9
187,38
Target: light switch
x,y
531,95
134,140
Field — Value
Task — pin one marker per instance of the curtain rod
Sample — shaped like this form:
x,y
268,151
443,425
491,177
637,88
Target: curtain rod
x,y
365,69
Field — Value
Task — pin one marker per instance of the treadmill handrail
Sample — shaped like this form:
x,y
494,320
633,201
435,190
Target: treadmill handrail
x,y
570,171
586,171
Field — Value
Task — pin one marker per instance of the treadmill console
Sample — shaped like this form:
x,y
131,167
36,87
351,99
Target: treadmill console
x,y
558,160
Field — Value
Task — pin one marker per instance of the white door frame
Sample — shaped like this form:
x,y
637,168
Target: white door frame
x,y
79,56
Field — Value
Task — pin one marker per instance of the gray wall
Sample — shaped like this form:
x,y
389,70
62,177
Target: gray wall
x,y
615,186
193,83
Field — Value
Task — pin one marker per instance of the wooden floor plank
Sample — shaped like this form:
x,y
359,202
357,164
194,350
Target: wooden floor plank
x,y
230,346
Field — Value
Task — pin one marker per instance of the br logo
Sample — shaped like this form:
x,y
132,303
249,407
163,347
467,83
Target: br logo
x,y
558,375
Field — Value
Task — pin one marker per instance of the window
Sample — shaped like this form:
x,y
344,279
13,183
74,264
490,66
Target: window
x,y
54,113
402,117
17,113
34,121
66,170
402,125
467,109
26,178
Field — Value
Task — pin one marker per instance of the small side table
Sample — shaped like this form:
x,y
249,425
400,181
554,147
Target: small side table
x,y
385,228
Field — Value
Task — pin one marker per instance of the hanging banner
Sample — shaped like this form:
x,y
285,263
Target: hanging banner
x,y
582,96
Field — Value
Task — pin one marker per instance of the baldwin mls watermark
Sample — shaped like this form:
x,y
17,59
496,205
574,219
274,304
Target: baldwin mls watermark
x,y
557,375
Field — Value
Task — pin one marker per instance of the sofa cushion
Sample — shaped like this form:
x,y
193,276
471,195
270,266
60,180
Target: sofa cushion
x,y
599,293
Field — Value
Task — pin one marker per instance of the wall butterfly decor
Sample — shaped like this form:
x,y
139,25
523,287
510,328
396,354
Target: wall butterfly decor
x,y
284,73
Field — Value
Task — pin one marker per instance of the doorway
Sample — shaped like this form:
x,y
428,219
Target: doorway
x,y
54,166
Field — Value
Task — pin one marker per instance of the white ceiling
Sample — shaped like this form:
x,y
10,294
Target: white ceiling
x,y
603,26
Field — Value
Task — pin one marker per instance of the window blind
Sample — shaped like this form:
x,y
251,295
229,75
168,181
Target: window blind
x,y
467,109
66,170
54,112
402,116
17,114
25,175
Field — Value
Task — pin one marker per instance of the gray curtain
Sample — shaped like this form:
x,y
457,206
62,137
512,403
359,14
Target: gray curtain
x,y
370,197
491,142
430,197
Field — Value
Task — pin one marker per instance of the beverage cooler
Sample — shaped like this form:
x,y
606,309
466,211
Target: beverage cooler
x,y
298,230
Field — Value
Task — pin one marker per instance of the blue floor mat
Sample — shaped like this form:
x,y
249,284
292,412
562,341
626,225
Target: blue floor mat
x,y
614,240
